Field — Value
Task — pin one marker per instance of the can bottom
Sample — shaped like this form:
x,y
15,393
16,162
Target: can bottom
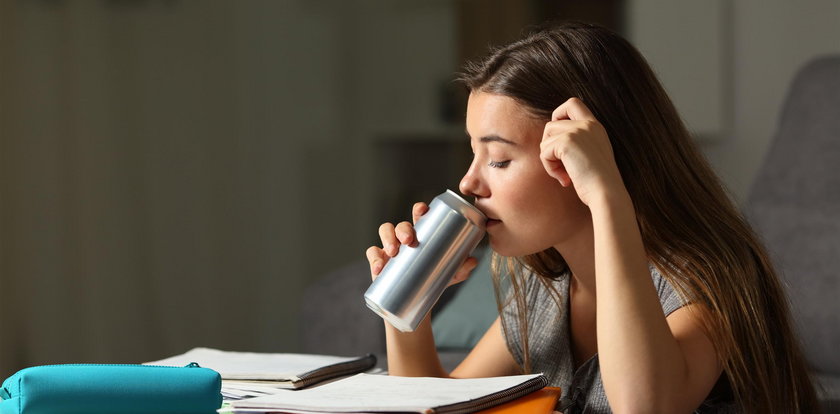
x,y
392,319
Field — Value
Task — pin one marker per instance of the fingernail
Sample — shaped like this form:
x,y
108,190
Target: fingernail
x,y
377,267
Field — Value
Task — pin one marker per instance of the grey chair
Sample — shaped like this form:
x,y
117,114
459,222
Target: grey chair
x,y
334,319
794,205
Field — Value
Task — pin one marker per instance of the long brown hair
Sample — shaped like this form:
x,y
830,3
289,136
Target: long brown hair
x,y
691,230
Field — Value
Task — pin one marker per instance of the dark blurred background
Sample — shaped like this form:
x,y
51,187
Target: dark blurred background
x,y
174,173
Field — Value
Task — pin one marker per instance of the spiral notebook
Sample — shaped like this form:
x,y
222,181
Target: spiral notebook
x,y
274,370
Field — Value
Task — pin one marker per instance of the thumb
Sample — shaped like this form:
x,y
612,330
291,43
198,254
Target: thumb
x,y
553,165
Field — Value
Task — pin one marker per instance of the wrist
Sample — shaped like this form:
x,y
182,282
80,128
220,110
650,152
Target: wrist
x,y
611,201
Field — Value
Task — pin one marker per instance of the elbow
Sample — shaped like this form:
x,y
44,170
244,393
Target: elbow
x,y
667,395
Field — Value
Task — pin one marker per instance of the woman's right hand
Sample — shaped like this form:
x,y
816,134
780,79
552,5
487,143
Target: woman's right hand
x,y
403,233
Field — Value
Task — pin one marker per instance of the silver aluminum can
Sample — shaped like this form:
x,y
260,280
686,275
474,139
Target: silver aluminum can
x,y
413,280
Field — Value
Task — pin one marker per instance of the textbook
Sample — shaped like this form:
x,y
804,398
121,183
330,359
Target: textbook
x,y
391,394
271,370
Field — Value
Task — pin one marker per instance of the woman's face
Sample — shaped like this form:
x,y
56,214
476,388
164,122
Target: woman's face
x,y
528,210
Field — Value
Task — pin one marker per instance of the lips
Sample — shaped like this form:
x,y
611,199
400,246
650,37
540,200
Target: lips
x,y
490,217
491,220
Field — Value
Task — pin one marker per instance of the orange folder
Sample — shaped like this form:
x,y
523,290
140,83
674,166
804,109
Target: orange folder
x,y
542,401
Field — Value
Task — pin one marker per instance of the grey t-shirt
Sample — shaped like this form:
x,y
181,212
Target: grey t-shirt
x,y
551,352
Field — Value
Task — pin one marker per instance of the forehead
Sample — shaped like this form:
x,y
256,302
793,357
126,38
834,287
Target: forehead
x,y
492,114
487,104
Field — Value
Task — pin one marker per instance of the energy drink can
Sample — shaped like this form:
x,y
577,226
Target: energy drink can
x,y
413,280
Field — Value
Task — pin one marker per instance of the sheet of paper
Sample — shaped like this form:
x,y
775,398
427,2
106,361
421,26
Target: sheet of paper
x,y
239,392
253,365
267,387
379,393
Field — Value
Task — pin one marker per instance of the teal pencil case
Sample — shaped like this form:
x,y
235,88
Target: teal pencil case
x,y
112,389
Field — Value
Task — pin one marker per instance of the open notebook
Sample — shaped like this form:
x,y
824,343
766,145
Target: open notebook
x,y
389,394
280,370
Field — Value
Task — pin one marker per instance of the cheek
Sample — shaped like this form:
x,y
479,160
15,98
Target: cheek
x,y
548,210
518,195
538,191
533,207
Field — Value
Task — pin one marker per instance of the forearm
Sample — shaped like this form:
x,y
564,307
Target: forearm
x,y
641,361
413,354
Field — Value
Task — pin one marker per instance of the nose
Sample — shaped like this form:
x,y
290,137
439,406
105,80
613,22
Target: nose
x,y
471,184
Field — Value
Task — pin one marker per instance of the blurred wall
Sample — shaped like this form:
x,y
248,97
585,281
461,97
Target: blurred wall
x,y
173,173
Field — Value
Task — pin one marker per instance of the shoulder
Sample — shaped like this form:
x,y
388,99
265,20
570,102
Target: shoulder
x,y
669,297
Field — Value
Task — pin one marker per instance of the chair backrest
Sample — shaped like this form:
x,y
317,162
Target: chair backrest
x,y
334,317
794,205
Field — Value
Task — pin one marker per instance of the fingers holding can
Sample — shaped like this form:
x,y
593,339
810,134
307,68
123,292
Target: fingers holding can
x,y
376,259
388,236
417,210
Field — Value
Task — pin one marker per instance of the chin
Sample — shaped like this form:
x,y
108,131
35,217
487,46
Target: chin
x,y
509,249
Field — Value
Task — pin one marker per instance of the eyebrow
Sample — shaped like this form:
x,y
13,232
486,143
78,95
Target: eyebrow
x,y
496,138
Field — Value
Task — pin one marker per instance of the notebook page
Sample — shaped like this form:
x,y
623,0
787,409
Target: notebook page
x,y
372,393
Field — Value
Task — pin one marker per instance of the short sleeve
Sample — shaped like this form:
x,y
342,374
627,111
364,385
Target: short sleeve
x,y
668,296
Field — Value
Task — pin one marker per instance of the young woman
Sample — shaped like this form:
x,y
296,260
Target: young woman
x,y
633,282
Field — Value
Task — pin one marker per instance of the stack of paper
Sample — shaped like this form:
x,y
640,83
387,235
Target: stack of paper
x,y
249,374
381,394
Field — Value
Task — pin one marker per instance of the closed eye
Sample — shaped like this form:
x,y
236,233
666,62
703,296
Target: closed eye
x,y
498,164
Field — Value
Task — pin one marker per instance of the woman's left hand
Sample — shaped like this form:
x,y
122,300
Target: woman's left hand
x,y
576,150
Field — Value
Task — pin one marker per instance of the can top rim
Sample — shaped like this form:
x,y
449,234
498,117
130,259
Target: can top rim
x,y
453,200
